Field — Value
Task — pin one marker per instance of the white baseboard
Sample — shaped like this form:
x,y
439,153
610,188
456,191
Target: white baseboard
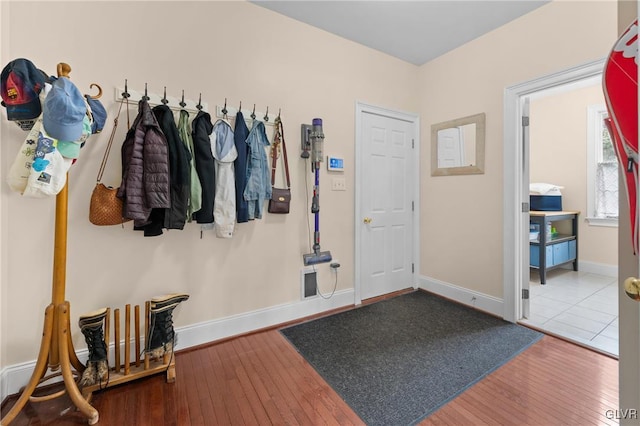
x,y
210,331
14,377
471,298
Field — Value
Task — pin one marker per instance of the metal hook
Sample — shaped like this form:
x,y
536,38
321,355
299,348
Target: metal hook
x,y
199,106
164,99
63,69
182,104
92,85
240,107
145,97
278,117
126,93
253,113
224,108
266,115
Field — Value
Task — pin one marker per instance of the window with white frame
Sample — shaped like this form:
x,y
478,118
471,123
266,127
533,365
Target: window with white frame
x,y
602,170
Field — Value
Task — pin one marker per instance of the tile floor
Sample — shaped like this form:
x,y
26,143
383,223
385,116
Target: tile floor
x,y
579,306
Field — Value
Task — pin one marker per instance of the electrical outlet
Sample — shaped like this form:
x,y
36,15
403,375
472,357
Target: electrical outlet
x,y
338,184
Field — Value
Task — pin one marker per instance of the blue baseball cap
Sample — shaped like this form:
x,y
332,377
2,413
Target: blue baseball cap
x,y
71,149
64,111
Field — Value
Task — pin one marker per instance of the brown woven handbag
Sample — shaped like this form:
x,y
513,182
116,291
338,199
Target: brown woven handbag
x,y
105,208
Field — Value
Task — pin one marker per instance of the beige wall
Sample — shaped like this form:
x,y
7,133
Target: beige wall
x,y
461,224
223,49
558,155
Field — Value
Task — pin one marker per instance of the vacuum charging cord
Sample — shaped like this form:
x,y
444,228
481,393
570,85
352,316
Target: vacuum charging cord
x,y
334,266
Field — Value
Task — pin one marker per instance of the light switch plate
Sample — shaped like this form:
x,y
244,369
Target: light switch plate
x,y
338,184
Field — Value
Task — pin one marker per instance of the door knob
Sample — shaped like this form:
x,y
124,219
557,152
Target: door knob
x,y
367,220
632,288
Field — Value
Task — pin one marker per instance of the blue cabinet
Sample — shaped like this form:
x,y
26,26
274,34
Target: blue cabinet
x,y
535,255
560,253
547,250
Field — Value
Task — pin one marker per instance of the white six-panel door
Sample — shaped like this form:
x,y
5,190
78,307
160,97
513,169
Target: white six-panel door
x,y
386,196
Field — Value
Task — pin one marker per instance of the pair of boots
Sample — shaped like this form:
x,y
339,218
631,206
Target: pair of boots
x,y
159,340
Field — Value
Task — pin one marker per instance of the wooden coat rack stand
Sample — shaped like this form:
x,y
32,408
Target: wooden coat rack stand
x,y
56,346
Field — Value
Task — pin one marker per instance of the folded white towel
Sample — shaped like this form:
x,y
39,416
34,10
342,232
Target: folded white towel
x,y
544,189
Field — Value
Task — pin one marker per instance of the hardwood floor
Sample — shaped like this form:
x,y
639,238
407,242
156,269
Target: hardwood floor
x,y
259,379
554,382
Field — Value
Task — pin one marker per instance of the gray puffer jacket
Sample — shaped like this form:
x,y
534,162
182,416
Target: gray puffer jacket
x,y
145,168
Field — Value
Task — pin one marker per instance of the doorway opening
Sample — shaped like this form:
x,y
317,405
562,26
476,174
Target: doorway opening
x,y
579,305
576,294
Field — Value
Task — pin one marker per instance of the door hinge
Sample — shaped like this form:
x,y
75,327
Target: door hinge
x,y
525,293
413,143
413,268
412,206
525,207
525,121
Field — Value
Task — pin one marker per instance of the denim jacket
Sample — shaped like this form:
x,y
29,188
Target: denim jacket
x,y
258,187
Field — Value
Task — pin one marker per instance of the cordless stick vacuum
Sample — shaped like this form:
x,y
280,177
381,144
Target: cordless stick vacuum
x,y
316,137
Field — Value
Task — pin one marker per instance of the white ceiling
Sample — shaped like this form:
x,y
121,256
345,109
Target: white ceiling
x,y
414,31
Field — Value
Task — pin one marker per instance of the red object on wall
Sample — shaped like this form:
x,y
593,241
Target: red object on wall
x,y
620,85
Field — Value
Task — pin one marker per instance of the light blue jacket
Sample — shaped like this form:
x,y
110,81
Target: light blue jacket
x,y
258,187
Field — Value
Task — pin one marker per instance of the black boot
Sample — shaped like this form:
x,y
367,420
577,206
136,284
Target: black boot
x,y
97,367
161,337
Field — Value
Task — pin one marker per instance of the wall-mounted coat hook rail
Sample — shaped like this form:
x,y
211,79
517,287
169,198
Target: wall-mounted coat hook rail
x,y
156,99
231,113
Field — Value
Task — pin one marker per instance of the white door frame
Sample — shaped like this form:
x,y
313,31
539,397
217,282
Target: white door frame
x,y
525,111
513,156
364,108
